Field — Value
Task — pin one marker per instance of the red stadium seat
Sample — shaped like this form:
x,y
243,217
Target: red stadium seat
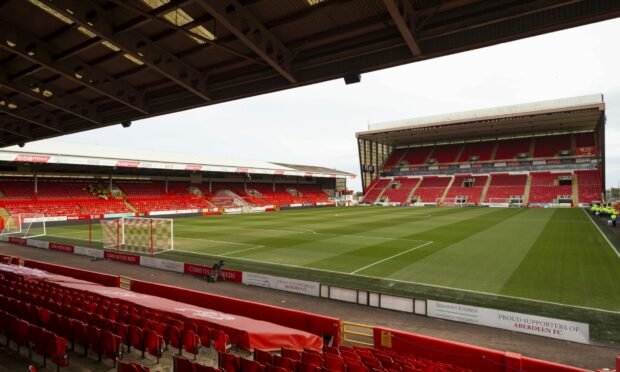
x,y
229,362
263,357
248,365
153,344
181,364
191,342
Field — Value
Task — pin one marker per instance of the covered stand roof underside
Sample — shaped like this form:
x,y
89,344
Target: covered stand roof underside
x,y
72,65
574,114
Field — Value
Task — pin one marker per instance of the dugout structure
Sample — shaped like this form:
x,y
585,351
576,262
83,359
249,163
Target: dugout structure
x,y
137,234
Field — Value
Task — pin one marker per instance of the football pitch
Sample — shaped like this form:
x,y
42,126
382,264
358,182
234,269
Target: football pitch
x,y
546,255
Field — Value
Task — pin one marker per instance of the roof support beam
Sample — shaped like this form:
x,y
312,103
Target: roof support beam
x,y
35,50
22,129
97,20
21,110
403,14
240,22
52,96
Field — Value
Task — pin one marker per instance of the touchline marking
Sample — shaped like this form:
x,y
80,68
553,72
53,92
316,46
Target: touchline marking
x,y
409,282
601,231
389,258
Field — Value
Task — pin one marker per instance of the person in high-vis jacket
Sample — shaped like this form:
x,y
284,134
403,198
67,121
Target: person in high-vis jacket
x,y
614,218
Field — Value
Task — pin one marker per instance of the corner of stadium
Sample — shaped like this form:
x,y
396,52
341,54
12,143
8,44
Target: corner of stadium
x,y
482,241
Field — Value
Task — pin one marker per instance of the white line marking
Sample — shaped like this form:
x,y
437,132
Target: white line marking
x,y
601,231
409,282
389,258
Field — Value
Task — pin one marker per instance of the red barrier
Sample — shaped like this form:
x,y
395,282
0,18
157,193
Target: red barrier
x,y
61,247
313,323
462,355
16,240
91,276
122,257
201,270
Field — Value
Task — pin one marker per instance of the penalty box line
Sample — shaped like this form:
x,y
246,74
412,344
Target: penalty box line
x,y
390,257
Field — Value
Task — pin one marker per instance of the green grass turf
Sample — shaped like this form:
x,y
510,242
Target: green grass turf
x,y
504,258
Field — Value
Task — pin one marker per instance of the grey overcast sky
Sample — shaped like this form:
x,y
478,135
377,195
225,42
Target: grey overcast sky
x,y
316,124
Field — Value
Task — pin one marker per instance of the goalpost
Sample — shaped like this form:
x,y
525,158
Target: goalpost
x,y
25,225
499,202
138,234
458,201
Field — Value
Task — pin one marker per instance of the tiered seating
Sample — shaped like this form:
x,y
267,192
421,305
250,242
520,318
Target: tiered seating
x,y
400,194
590,185
417,155
584,139
63,189
169,204
473,193
57,208
17,189
509,149
446,153
143,189
394,158
545,189
280,197
504,185
313,194
482,150
50,317
373,194
333,359
550,146
431,188
90,207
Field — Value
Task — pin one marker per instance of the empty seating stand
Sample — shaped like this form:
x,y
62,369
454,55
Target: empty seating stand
x,y
510,149
417,155
467,186
590,186
402,187
477,151
373,194
446,153
431,188
551,146
504,185
545,187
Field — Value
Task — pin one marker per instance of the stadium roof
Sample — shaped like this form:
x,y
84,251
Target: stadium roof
x,y
72,65
67,153
582,113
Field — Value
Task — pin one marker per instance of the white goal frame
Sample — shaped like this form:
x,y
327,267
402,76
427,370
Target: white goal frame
x,y
499,202
138,234
452,202
21,224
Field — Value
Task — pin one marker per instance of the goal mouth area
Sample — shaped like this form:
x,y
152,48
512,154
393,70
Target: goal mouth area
x,y
142,235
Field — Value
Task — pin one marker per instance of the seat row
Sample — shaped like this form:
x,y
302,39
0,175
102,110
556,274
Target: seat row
x,y
103,326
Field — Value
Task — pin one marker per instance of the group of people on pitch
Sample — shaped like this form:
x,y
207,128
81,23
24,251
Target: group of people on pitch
x,y
605,211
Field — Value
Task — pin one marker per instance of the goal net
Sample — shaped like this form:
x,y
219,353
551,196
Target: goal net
x,y
24,225
499,202
452,202
138,234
